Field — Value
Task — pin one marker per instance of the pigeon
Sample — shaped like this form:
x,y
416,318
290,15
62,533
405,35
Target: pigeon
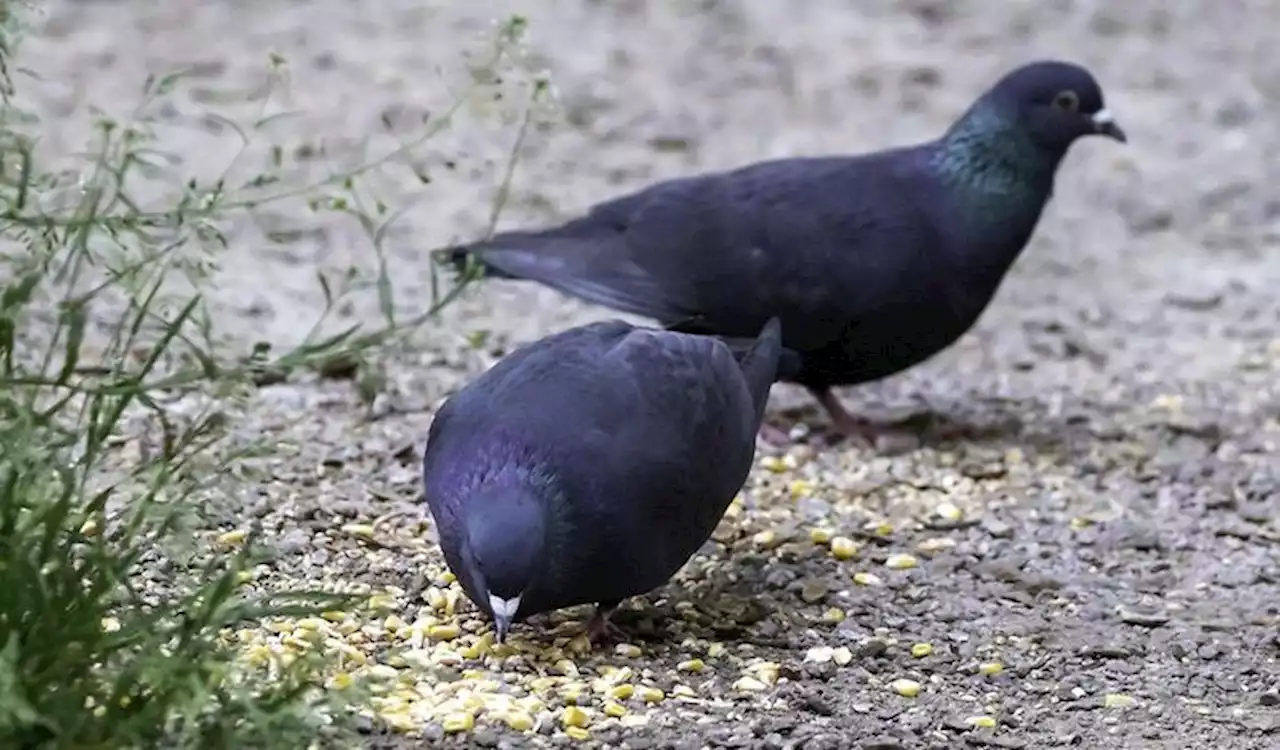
x,y
589,466
874,263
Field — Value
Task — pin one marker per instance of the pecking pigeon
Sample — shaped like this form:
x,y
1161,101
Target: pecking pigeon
x,y
873,263
590,465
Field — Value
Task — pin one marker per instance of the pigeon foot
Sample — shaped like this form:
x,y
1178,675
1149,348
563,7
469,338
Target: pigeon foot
x,y
600,629
844,424
774,436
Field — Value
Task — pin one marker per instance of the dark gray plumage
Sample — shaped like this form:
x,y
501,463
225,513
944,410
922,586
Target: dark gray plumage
x,y
589,466
874,263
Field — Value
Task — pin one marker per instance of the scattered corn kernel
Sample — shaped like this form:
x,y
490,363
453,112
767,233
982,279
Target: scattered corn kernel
x,y
651,695
340,681
461,721
949,512
566,667
1080,522
622,692
866,579
691,665
244,576
518,720
577,733
905,688
235,536
767,539
801,488
443,632
900,561
921,650
1117,700
89,528
821,535
774,464
334,615
400,721
842,656
629,650
394,623
749,684
991,668
684,691
843,548
572,716
879,528
434,598
981,722
935,545
766,671
834,616
110,624
358,529
615,709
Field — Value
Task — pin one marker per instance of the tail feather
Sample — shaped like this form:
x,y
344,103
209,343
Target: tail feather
x,y
760,363
465,259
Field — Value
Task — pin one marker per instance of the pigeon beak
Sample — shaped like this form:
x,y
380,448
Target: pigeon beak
x,y
1104,123
504,613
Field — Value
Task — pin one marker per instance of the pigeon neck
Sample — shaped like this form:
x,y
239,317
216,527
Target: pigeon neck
x,y
995,164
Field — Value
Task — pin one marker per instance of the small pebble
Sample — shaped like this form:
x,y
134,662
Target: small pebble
x,y
749,684
820,654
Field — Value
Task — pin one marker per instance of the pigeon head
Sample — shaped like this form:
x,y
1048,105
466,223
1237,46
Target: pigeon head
x,y
1055,103
505,537
1002,154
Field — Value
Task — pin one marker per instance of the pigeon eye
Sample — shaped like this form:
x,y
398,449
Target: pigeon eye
x,y
1067,101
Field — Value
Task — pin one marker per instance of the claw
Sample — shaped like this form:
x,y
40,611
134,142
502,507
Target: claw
x,y
600,629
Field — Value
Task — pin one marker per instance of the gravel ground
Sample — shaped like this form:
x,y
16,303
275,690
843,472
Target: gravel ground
x,y
1080,549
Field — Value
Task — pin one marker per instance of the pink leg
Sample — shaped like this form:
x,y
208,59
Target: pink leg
x,y
842,422
775,436
600,629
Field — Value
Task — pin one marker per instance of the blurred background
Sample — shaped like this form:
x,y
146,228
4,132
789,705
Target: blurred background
x,y
1110,528
1157,253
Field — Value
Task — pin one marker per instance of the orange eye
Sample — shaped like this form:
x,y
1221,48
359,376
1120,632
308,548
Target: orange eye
x,y
1067,100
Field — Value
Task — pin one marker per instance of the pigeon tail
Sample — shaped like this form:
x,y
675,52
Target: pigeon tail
x,y
463,258
760,363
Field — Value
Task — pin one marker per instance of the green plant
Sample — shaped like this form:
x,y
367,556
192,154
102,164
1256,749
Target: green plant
x,y
116,390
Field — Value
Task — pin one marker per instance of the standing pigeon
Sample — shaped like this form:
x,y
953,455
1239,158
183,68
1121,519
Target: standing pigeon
x,y
873,263
589,466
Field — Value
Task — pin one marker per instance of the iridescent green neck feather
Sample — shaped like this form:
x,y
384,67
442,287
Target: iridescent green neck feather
x,y
994,166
